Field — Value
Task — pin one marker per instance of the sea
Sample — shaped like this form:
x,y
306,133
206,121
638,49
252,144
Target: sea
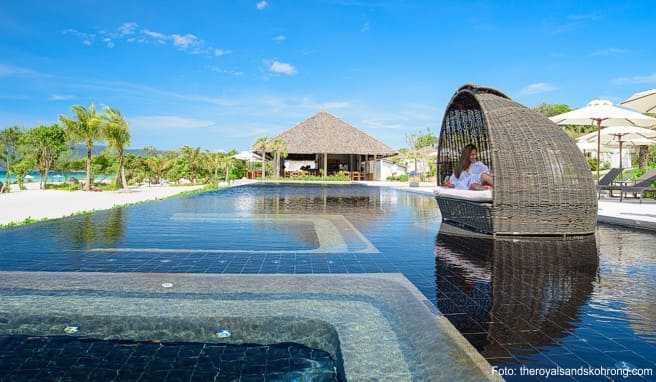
x,y
53,176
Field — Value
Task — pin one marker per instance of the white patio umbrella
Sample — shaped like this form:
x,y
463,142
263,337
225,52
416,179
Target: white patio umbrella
x,y
247,156
644,102
603,113
587,146
618,136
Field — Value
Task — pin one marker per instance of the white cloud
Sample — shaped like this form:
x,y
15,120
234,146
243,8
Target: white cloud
x,y
14,97
282,68
169,122
86,38
641,80
571,22
127,28
108,42
538,88
14,71
262,5
61,97
184,41
221,52
331,105
608,52
365,27
378,123
158,37
230,72
584,17
279,39
131,32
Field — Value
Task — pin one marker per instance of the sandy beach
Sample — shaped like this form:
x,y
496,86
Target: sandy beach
x,y
36,204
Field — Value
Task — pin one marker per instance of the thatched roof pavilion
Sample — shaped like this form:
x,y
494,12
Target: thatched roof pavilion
x,y
328,145
325,133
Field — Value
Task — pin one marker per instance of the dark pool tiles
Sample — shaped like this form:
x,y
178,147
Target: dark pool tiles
x,y
478,340
617,332
632,358
495,353
529,357
643,349
465,323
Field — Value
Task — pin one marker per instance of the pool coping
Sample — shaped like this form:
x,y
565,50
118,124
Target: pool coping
x,y
389,315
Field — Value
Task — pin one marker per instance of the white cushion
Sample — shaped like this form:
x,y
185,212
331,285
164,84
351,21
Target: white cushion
x,y
474,196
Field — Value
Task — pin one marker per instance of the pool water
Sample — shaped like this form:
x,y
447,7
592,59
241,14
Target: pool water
x,y
582,302
78,359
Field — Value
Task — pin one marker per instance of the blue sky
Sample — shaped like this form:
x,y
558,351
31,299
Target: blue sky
x,y
218,74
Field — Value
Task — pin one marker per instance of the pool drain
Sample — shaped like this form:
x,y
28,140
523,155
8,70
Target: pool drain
x,y
223,333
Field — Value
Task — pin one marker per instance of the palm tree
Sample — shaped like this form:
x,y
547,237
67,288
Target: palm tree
x,y
85,128
412,153
9,142
191,156
156,166
214,161
279,149
263,145
229,160
118,136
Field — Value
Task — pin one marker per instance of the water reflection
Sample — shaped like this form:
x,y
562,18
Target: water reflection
x,y
628,278
105,228
513,296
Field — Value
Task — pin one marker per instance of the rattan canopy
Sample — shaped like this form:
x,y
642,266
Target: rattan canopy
x,y
323,133
542,183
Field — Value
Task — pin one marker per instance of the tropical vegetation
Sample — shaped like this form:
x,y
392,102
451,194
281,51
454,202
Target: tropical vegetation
x,y
87,128
104,137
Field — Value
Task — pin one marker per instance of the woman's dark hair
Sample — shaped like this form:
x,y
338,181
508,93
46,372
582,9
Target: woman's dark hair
x,y
464,163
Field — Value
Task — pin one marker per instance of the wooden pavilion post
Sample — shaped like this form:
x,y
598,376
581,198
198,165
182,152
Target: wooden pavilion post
x,y
350,166
373,174
325,164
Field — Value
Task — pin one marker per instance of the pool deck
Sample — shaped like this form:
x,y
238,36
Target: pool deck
x,y
37,205
629,213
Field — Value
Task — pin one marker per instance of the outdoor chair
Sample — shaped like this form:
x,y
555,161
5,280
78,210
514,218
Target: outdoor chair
x,y
606,182
642,185
542,183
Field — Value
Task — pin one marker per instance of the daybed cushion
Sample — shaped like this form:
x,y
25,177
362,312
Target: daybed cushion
x,y
473,196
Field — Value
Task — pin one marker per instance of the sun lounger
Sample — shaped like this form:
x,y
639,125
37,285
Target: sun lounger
x,y
606,182
642,185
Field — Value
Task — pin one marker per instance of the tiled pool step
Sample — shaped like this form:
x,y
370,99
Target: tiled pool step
x,y
384,326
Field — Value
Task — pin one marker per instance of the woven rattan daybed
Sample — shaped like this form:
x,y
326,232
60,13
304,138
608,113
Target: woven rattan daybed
x,y
542,183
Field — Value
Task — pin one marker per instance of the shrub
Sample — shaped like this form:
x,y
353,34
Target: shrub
x,y
399,178
339,177
592,163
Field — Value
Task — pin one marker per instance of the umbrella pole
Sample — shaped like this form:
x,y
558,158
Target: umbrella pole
x,y
621,141
598,148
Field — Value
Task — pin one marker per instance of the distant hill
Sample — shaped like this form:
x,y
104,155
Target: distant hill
x,y
80,151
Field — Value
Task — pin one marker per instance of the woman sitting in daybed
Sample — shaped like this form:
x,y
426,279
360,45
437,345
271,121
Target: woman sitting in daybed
x,y
470,173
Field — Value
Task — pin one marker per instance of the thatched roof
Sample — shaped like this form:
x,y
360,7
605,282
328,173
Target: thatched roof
x,y
325,133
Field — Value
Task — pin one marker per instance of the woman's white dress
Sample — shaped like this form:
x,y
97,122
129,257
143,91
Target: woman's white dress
x,y
470,176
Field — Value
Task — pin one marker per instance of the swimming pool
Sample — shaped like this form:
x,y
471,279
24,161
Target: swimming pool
x,y
538,304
